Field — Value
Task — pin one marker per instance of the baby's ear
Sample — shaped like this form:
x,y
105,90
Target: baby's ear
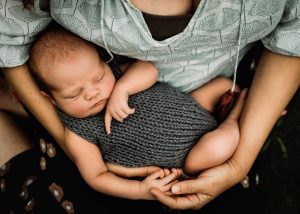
x,y
49,97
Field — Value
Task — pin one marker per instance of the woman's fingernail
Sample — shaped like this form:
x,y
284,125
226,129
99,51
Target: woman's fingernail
x,y
175,189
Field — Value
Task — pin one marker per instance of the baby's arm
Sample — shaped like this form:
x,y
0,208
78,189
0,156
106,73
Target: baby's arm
x,y
137,77
130,172
88,159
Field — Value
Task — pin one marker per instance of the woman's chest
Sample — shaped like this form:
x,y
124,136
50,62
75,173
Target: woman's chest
x,y
215,25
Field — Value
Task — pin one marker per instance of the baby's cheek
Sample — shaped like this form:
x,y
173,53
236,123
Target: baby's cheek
x,y
78,110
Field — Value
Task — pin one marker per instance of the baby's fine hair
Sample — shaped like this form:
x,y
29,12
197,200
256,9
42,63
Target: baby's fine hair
x,y
55,44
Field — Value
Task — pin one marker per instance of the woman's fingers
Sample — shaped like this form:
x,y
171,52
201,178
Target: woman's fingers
x,y
195,193
189,186
191,201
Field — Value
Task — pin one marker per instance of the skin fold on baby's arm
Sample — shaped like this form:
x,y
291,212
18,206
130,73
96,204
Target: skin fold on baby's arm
x,y
94,171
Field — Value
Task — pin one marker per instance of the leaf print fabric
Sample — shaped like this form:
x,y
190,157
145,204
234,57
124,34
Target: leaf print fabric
x,y
18,28
204,49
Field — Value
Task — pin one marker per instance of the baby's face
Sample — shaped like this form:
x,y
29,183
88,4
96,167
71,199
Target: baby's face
x,y
82,85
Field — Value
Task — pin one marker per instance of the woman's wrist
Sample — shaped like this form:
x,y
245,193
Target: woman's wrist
x,y
239,168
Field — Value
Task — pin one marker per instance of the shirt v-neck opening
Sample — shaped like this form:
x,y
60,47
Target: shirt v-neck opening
x,y
171,25
173,38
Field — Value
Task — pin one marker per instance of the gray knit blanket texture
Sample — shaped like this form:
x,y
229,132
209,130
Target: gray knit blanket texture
x,y
164,127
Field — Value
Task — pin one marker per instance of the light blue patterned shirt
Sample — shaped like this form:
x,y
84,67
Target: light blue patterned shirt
x,y
205,49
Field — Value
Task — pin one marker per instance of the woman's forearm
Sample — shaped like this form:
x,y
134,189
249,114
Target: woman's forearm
x,y
276,80
23,84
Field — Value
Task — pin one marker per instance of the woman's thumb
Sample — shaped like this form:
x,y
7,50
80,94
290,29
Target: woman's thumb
x,y
186,187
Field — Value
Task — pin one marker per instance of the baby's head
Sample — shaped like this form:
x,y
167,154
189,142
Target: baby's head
x,y
70,71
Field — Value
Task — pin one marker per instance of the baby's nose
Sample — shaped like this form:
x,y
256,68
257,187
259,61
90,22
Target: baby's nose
x,y
91,94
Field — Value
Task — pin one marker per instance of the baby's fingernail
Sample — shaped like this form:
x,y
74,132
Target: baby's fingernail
x,y
175,189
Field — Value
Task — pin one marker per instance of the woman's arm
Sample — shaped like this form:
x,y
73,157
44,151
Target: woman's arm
x,y
276,80
25,87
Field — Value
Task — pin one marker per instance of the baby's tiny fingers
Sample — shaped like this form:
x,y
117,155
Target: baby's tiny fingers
x,y
166,172
155,175
107,122
176,171
128,110
117,117
123,113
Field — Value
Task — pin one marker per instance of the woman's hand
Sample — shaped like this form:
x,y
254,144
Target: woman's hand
x,y
276,79
195,193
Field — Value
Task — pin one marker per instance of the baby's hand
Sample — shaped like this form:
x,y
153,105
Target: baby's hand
x,y
117,108
162,180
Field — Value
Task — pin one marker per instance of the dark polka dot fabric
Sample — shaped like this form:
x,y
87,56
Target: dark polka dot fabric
x,y
44,180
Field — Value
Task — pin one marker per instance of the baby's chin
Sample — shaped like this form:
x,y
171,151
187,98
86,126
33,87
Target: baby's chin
x,y
94,113
88,114
96,109
91,113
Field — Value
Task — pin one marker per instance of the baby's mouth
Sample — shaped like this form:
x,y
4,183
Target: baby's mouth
x,y
98,103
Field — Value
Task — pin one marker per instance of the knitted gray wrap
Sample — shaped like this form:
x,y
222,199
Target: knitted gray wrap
x,y
165,126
